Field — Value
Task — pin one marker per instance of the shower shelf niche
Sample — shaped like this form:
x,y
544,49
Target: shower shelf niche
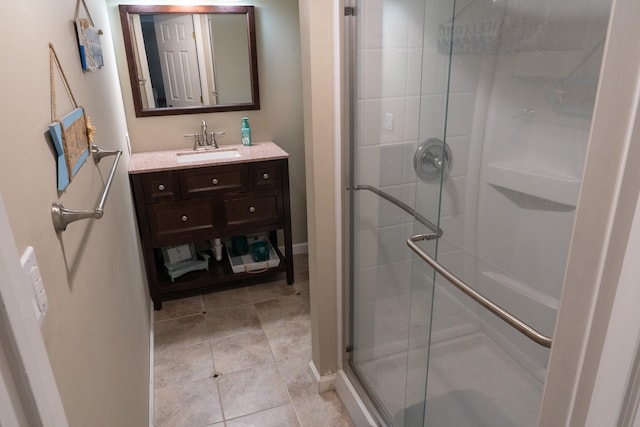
x,y
567,121
534,181
542,64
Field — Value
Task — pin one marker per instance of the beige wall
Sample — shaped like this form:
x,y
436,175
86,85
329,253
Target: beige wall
x,y
97,328
279,118
232,62
317,38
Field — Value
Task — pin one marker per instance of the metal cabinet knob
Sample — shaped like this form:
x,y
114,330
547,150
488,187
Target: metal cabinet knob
x,y
214,181
265,176
184,218
161,187
252,209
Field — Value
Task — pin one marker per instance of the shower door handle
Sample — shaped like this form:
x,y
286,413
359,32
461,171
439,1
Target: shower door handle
x,y
494,308
437,231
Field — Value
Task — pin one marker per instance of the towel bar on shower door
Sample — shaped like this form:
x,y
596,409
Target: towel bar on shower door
x,y
437,231
504,315
63,216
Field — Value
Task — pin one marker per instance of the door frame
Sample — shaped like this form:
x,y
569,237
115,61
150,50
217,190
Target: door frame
x,y
38,388
604,215
143,65
202,69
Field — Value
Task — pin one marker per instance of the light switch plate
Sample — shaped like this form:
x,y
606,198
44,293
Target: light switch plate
x,y
388,121
33,279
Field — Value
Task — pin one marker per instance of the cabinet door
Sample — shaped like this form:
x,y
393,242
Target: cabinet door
x,y
184,221
266,175
160,187
254,210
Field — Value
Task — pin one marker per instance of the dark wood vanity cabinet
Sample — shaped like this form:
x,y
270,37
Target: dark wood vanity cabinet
x,y
200,204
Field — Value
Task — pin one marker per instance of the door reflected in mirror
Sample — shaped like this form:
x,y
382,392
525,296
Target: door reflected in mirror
x,y
191,59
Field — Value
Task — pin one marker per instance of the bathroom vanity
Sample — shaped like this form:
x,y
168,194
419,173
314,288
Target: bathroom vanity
x,y
187,197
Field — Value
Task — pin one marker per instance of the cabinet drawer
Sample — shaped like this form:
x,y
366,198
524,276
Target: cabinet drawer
x,y
266,175
160,186
257,209
204,182
170,220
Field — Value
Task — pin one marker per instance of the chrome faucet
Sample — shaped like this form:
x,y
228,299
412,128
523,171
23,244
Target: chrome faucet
x,y
205,139
213,141
209,138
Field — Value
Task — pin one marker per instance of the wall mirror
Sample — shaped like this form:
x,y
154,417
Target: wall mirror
x,y
191,59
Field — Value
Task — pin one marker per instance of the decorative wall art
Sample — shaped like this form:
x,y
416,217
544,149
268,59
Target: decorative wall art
x,y
88,40
71,134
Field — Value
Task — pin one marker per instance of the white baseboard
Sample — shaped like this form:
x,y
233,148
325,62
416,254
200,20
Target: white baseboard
x,y
297,248
324,383
352,402
300,248
151,361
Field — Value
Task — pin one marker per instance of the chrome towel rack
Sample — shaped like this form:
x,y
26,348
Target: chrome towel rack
x,y
504,315
437,231
63,216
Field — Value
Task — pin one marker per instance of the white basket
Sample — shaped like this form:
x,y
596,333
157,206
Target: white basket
x,y
246,264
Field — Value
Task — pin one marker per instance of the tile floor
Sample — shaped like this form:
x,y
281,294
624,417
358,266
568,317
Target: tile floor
x,y
240,358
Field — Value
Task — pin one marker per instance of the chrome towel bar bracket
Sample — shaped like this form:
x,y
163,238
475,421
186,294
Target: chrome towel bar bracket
x,y
62,216
504,315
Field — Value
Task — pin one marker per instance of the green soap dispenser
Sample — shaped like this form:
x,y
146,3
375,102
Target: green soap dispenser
x,y
246,132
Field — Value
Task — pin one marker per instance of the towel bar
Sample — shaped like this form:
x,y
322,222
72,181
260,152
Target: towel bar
x,y
494,308
63,216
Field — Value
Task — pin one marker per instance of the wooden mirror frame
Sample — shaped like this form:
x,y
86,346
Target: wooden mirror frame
x,y
127,31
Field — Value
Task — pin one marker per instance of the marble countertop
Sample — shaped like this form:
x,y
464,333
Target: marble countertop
x,y
156,161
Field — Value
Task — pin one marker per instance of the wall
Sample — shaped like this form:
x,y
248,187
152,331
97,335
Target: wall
x,y
279,118
317,34
525,211
390,84
97,329
233,85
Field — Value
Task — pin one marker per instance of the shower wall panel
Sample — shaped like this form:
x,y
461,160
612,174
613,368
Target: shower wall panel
x,y
388,98
533,91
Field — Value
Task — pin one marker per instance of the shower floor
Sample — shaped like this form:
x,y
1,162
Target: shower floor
x,y
472,382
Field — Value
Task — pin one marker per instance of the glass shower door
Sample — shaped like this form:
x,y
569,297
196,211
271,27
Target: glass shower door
x,y
471,119
396,104
522,85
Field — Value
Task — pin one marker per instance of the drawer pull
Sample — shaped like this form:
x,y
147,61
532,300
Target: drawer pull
x,y
265,176
184,218
161,187
214,181
252,209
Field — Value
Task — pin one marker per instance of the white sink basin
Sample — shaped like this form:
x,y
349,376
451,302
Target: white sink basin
x,y
199,156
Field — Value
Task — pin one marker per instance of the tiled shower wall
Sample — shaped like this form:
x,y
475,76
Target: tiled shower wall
x,y
402,72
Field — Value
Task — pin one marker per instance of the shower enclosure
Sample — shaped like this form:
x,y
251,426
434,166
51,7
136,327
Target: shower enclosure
x,y
470,121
